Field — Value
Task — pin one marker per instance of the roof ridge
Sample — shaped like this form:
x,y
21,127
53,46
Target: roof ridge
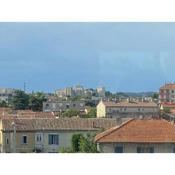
x,y
110,130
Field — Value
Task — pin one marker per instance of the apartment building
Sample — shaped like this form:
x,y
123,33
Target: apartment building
x,y
79,90
101,91
61,106
6,94
65,92
46,135
118,109
138,136
167,93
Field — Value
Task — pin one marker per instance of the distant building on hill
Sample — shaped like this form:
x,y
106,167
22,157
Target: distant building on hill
x,y
6,94
61,106
65,92
101,91
167,93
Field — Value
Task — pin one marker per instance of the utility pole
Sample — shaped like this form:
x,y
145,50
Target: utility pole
x,y
14,137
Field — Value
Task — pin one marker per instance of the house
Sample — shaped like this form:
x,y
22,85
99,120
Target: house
x,y
6,94
167,93
46,135
61,106
112,109
138,136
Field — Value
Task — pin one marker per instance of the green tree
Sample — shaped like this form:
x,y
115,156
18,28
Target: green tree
x,y
3,104
36,101
89,102
76,142
92,113
87,144
155,96
81,144
20,100
166,110
71,113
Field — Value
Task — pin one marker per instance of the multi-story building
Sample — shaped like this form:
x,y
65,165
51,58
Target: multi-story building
x,y
46,135
6,94
65,92
79,90
167,93
61,106
124,109
138,136
101,91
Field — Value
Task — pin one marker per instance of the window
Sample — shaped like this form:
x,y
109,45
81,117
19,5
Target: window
x,y
38,138
145,149
173,150
119,149
172,91
67,106
53,139
74,105
138,109
47,105
24,140
7,141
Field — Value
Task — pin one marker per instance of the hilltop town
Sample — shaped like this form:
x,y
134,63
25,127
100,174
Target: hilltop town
x,y
87,120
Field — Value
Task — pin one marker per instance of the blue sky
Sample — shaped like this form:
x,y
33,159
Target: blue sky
x,y
131,57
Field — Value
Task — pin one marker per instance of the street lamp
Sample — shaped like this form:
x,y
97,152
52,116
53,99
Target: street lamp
x,y
14,137
14,124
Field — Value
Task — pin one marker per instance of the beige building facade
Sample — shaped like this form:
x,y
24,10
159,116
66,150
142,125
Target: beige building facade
x,y
46,135
137,147
114,109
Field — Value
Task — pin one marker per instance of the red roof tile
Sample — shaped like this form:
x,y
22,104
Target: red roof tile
x,y
168,86
140,131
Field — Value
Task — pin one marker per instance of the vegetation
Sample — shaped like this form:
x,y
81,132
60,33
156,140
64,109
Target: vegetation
x,y
155,96
22,101
92,113
3,104
81,144
36,101
76,142
70,113
166,110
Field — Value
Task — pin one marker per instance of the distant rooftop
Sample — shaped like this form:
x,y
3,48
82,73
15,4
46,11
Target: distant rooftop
x,y
168,86
129,104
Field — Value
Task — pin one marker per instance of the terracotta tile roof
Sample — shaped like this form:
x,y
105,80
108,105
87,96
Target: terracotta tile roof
x,y
58,124
168,105
139,131
173,111
168,86
129,104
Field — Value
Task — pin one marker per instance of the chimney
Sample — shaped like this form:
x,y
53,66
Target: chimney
x,y
141,117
